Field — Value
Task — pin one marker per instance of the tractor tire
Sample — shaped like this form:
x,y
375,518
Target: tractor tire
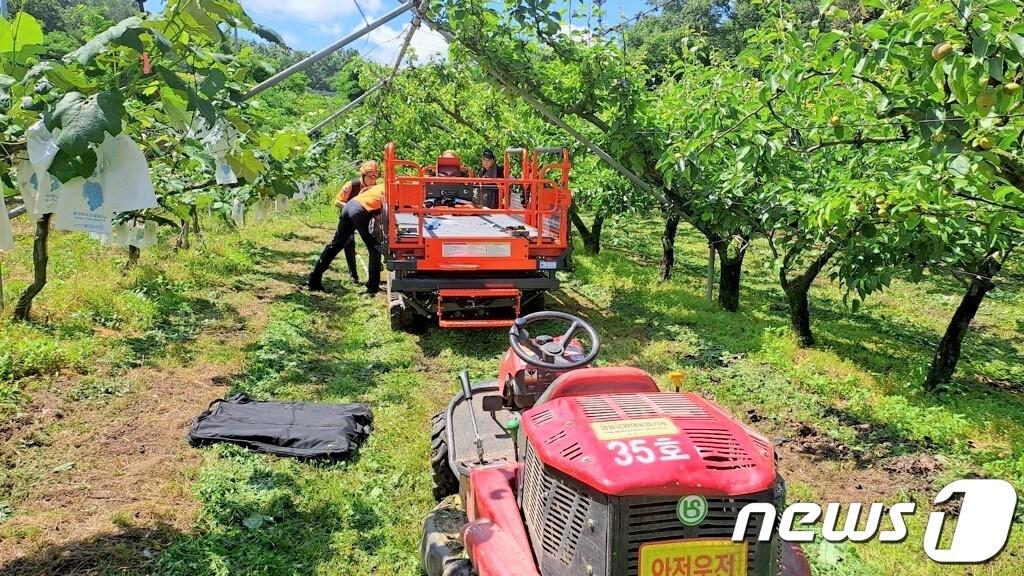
x,y
403,318
459,568
445,482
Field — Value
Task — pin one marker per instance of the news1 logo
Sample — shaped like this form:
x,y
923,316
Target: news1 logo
x,y
980,531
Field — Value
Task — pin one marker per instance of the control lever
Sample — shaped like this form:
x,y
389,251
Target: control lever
x,y
467,393
513,429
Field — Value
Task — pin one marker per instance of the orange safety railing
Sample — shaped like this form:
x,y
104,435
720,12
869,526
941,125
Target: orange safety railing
x,y
546,208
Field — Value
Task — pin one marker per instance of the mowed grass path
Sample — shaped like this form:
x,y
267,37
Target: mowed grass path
x,y
851,422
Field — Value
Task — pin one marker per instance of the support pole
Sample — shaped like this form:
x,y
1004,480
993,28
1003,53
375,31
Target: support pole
x,y
384,81
554,119
314,58
346,108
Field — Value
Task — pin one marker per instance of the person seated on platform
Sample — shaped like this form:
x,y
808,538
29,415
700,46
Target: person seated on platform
x,y
487,195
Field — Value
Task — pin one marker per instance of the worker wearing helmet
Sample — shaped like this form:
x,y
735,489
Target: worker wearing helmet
x,y
368,174
487,195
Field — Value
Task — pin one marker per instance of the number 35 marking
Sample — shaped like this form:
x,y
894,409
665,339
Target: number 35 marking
x,y
639,451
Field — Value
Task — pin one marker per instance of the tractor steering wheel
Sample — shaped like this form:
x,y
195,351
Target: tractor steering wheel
x,y
547,351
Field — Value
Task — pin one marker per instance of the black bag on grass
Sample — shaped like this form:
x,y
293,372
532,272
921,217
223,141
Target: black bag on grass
x,y
300,429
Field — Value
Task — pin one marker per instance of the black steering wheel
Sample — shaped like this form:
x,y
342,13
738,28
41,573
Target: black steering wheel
x,y
550,352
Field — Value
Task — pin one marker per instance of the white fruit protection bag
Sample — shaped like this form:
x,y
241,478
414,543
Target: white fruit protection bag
x,y
121,183
6,235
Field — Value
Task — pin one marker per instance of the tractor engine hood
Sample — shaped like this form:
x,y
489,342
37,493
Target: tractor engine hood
x,y
654,444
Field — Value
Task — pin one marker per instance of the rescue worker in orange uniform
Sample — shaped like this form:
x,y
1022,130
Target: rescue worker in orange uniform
x,y
353,209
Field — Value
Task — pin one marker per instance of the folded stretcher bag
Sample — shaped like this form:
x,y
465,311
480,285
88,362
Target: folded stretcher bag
x,y
299,429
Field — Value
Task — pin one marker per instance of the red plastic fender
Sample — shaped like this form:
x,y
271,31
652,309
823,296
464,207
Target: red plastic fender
x,y
495,553
495,500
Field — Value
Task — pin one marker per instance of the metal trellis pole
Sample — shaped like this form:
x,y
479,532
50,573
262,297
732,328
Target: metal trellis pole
x,y
346,108
383,83
314,58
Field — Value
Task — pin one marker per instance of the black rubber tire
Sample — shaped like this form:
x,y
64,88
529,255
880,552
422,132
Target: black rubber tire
x,y
445,483
403,319
460,568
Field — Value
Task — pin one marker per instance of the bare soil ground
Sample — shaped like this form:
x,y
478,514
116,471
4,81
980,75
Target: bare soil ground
x,y
113,477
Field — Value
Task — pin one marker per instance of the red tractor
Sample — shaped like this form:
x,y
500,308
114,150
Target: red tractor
x,y
562,469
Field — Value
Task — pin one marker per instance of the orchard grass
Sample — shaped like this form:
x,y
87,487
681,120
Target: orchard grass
x,y
265,515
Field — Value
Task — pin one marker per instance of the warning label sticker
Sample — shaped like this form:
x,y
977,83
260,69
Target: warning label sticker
x,y
620,429
476,250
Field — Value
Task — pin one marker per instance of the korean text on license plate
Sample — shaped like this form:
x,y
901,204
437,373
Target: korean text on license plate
x,y
697,557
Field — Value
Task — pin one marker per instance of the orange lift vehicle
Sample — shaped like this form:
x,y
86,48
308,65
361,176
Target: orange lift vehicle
x,y
473,252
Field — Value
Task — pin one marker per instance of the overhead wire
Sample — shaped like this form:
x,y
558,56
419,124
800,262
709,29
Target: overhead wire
x,y
637,17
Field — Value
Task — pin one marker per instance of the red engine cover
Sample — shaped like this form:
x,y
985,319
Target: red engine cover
x,y
656,444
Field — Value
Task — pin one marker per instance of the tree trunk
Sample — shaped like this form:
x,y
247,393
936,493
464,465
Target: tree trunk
x,y
800,312
668,246
133,254
729,273
195,223
948,353
591,235
796,294
40,260
133,258
182,242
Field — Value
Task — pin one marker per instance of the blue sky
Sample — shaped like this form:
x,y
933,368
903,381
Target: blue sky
x,y
313,24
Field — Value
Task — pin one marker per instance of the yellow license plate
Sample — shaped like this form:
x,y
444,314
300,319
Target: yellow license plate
x,y
697,557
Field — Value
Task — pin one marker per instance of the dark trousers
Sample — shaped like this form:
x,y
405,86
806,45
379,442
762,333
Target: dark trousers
x,y
350,257
354,218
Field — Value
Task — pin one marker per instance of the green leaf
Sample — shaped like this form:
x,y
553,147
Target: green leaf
x,y
254,521
246,165
64,78
1018,42
199,21
66,167
174,106
268,34
127,32
961,165
85,121
21,38
205,108
64,467
825,41
213,83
